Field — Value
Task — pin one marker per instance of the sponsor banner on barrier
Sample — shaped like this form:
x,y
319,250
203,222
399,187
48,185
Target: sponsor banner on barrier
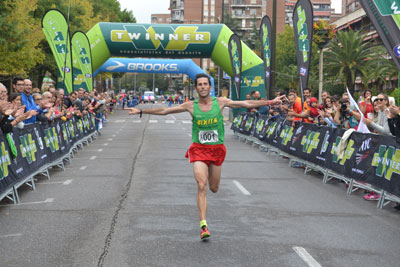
x,y
7,180
370,158
237,122
37,147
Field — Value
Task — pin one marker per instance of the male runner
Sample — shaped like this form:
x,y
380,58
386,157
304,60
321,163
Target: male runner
x,y
207,153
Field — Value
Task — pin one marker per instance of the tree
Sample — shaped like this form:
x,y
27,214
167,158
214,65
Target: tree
x,y
23,46
252,38
347,56
110,10
377,72
83,15
20,46
232,24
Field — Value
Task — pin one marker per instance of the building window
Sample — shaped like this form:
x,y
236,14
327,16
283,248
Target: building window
x,y
159,19
243,23
253,2
238,12
253,12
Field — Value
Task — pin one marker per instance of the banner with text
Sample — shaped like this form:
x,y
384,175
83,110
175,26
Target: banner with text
x,y
385,16
82,62
265,33
56,30
370,158
38,145
303,34
235,53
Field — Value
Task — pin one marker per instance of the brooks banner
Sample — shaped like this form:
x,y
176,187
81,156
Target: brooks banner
x,y
369,158
235,53
265,33
303,31
385,16
82,62
56,30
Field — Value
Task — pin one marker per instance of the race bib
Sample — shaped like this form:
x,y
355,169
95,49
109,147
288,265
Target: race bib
x,y
208,136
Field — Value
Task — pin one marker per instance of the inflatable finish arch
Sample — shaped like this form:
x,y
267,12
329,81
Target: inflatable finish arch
x,y
175,41
141,65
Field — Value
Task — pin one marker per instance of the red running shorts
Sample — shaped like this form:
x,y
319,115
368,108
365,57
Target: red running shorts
x,y
209,154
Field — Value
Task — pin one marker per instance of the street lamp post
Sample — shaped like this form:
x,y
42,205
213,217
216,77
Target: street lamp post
x,y
134,84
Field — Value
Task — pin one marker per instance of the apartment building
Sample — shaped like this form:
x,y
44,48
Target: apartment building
x,y
321,8
161,18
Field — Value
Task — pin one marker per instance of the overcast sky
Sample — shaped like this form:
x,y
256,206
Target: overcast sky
x,y
142,9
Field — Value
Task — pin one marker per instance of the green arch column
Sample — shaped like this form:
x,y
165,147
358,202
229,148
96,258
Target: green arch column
x,y
175,41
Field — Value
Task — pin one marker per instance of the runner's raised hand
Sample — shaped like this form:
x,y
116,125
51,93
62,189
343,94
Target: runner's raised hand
x,y
133,111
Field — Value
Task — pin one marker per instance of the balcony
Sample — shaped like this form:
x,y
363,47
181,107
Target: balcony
x,y
175,18
177,6
245,16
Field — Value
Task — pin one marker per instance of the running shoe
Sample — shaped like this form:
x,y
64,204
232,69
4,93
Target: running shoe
x,y
372,196
204,232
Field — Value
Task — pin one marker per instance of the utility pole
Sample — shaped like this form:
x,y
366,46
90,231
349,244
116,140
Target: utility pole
x,y
135,74
153,80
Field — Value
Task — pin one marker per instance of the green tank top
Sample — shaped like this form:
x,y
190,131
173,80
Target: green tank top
x,y
208,127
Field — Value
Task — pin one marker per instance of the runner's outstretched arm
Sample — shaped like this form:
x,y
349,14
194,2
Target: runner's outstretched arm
x,y
254,103
159,111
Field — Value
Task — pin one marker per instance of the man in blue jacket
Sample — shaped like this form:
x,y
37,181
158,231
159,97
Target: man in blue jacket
x,y
28,101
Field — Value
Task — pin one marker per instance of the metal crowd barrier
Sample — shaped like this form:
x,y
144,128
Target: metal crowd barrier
x,y
352,184
12,193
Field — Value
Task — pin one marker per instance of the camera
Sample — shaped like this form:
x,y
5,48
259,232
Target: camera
x,y
343,107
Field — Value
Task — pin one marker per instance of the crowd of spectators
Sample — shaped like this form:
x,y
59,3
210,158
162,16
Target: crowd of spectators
x,y
25,105
379,114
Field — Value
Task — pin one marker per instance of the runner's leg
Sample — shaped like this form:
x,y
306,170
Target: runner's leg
x,y
200,171
214,177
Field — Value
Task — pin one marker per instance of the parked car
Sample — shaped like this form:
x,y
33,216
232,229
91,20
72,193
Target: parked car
x,y
148,97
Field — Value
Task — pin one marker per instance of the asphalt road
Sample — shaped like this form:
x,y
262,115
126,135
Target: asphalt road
x,y
129,199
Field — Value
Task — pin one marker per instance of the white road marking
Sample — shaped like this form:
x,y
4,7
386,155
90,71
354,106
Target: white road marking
x,y
118,121
306,257
106,144
83,168
186,122
153,121
137,121
169,121
190,135
100,150
109,139
47,200
67,182
241,188
173,117
93,157
113,135
10,235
